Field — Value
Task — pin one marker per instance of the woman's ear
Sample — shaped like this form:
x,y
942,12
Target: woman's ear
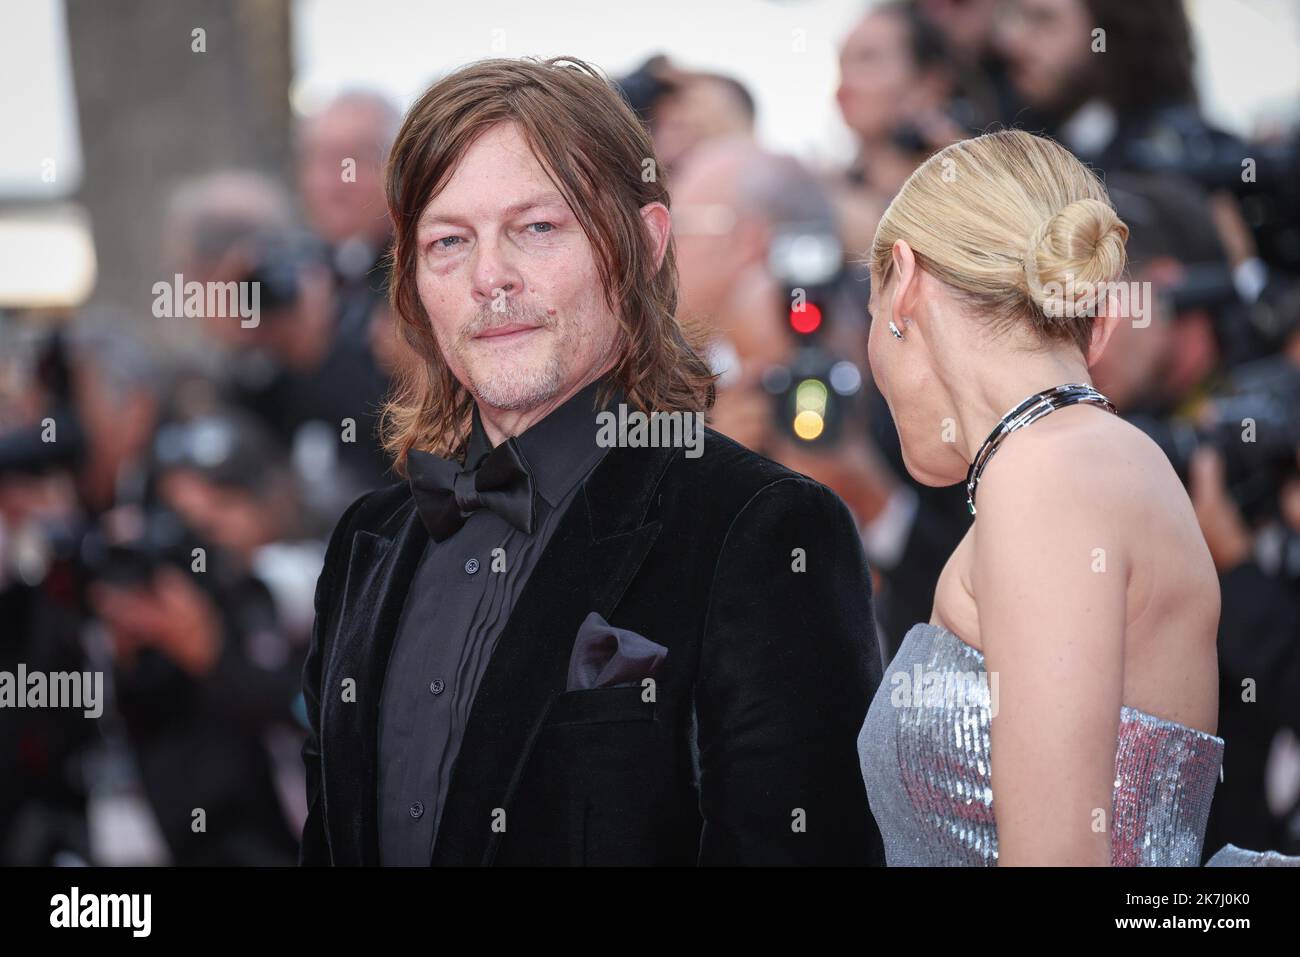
x,y
1102,327
905,268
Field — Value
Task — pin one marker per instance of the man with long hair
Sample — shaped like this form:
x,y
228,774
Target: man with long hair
x,y
568,638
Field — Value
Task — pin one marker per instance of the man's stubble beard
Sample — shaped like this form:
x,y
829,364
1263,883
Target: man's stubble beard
x,y
517,387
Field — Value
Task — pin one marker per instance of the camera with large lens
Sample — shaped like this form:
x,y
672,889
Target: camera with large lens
x,y
1254,427
812,393
271,258
131,549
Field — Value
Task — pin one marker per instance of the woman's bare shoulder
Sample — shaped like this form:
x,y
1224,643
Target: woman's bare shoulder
x,y
1083,456
1092,479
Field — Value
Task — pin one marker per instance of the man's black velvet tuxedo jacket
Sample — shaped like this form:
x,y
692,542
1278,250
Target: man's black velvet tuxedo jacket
x,y
748,754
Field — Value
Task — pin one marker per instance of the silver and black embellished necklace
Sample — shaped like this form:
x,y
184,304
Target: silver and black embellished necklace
x,y
1031,410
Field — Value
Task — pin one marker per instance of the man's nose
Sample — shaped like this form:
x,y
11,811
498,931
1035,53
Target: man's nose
x,y
495,274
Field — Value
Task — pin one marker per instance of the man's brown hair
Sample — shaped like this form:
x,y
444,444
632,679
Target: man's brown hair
x,y
601,160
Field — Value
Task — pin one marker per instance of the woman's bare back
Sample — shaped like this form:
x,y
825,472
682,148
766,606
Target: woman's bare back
x,y
1172,591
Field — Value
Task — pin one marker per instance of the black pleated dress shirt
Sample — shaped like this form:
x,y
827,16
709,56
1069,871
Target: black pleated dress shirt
x,y
458,605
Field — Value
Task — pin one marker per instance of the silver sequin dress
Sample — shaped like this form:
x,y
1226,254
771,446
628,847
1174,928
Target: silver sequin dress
x,y
924,749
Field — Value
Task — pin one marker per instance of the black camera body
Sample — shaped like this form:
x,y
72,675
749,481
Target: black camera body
x,y
1255,428
812,393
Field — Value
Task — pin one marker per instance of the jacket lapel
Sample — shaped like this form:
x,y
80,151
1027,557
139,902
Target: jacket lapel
x,y
594,553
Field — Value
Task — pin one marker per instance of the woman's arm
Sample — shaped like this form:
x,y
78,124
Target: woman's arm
x,y
1050,579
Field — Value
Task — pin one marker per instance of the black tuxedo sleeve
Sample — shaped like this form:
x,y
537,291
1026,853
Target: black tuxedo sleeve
x,y
315,849
788,665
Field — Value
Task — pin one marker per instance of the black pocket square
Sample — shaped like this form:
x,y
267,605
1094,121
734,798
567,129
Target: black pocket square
x,y
604,656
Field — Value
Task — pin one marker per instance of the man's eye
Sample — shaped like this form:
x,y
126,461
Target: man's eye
x,y
540,228
445,243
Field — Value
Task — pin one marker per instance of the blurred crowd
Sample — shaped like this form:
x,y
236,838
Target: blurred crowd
x,y
126,468
241,454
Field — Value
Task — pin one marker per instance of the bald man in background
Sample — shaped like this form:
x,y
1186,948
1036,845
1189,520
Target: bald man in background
x,y
341,151
731,199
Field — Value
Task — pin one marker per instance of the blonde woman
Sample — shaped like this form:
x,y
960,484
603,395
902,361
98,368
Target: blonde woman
x,y
1060,705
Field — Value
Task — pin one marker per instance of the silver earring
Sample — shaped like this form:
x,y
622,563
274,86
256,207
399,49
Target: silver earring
x,y
893,330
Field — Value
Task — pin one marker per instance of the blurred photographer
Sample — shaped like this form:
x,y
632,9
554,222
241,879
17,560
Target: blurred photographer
x,y
1232,432
42,751
1110,79
896,96
1114,82
684,109
983,94
737,210
207,646
316,388
341,150
1248,503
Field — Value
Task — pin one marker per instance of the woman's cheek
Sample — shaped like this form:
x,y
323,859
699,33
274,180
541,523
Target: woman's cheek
x,y
874,361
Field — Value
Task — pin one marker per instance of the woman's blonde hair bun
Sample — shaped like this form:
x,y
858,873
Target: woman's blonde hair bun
x,y
1070,255
1015,225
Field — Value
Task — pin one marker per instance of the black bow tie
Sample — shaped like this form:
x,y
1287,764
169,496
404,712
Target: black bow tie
x,y
446,494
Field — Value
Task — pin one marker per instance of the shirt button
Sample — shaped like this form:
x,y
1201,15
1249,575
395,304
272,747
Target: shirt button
x,y
437,686
471,566
417,810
